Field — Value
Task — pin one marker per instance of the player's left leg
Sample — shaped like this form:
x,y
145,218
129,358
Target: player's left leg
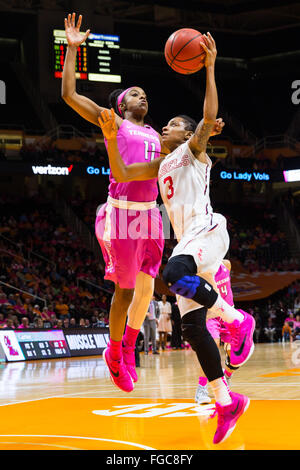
x,y
112,355
229,405
180,275
202,395
137,310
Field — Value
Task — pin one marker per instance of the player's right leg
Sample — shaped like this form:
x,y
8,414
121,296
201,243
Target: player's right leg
x,y
180,275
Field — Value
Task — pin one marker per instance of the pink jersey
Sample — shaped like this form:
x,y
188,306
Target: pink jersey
x,y
136,144
222,279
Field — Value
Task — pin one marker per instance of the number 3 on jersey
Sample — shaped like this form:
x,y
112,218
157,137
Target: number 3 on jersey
x,y
169,180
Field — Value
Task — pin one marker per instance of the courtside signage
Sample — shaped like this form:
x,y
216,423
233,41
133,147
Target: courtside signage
x,y
245,176
91,170
52,170
88,342
291,175
10,346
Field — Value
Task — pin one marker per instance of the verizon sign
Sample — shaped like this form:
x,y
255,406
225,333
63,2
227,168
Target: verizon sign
x,y
51,170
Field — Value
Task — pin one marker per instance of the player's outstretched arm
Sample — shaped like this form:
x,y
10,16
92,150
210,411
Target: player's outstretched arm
x,y
198,141
85,107
121,172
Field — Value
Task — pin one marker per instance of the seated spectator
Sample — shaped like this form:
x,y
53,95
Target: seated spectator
x,y
59,324
258,327
62,309
66,323
39,323
45,314
72,323
296,332
82,323
2,321
287,332
270,330
9,323
24,324
53,319
290,319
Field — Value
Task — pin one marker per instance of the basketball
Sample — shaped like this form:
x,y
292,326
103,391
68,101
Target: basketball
x,y
183,51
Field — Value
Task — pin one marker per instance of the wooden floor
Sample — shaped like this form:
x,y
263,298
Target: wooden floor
x,y
71,404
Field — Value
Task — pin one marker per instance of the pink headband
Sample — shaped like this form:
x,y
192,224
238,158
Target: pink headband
x,y
121,96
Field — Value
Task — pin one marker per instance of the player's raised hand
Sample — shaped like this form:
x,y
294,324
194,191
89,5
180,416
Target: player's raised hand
x,y
218,127
107,121
209,46
73,34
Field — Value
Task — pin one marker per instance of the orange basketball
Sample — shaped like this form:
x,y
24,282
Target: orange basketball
x,y
183,51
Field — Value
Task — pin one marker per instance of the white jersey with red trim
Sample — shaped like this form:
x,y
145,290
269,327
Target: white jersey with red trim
x,y
184,188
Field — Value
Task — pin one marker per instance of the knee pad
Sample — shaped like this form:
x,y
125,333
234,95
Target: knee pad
x,y
180,277
195,332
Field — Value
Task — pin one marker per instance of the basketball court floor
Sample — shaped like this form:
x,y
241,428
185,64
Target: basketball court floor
x,y
71,404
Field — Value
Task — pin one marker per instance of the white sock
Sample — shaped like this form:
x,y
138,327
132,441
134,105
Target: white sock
x,y
225,311
221,391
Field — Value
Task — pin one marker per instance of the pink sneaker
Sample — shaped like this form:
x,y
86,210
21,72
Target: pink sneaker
x,y
129,360
228,416
242,345
118,372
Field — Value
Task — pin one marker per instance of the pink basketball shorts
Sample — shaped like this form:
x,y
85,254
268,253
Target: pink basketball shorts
x,y
131,241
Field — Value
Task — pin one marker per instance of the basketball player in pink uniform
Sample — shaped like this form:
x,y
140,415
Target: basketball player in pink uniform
x,y
203,241
219,331
129,226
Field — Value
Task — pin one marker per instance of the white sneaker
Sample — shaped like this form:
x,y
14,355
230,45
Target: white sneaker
x,y
201,396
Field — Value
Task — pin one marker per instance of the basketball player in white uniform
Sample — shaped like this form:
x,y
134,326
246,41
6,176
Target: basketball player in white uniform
x,y
203,241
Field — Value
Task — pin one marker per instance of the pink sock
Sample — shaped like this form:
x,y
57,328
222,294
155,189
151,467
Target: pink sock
x,y
203,381
130,336
115,349
227,373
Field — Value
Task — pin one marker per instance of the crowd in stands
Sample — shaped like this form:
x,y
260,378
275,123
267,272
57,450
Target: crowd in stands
x,y
58,283
255,240
48,153
258,243
260,163
292,203
278,317
49,265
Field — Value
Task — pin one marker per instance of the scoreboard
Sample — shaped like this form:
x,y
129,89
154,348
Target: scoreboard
x,y
42,344
98,58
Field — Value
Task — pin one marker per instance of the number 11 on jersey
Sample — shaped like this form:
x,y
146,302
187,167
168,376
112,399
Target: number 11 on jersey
x,y
147,150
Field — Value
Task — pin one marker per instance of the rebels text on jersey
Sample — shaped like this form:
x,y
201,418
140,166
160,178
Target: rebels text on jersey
x,y
184,188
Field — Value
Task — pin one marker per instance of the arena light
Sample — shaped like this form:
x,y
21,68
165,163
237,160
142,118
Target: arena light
x,y
291,175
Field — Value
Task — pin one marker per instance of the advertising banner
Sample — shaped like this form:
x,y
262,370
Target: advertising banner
x,y
86,341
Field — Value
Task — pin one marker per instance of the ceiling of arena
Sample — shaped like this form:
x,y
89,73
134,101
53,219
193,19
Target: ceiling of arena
x,y
238,16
